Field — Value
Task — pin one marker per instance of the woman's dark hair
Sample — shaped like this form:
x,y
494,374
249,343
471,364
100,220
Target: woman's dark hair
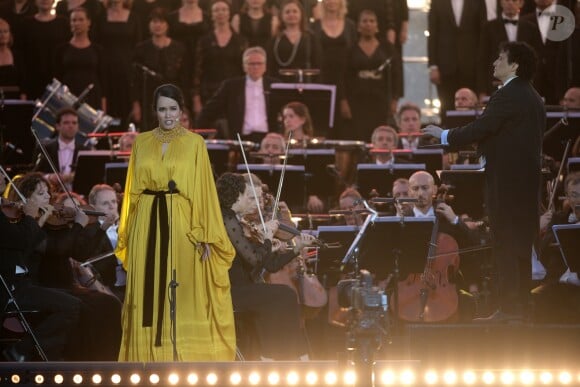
x,y
27,184
170,91
524,55
159,13
229,187
301,110
83,10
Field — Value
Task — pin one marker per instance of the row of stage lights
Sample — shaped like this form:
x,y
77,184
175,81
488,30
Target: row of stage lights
x,y
387,377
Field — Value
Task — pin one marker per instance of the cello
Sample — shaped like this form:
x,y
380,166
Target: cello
x,y
431,296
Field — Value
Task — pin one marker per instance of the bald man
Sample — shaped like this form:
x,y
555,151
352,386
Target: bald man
x,y
465,99
571,99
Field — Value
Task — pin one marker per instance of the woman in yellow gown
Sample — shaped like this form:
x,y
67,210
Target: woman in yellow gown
x,y
171,221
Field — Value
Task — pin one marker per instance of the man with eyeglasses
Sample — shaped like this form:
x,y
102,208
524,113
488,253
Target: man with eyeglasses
x,y
243,101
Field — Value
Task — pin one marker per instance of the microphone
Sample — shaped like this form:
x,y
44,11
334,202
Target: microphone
x,y
82,96
171,186
13,147
385,64
147,70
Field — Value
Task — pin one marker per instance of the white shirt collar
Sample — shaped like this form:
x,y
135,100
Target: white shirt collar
x,y
419,214
63,145
509,80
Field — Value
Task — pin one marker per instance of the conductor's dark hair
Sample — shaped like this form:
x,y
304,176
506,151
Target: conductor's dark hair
x,y
229,187
170,91
524,55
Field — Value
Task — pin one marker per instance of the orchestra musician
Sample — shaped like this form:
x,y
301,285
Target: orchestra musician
x,y
384,138
59,308
274,307
62,150
509,137
556,299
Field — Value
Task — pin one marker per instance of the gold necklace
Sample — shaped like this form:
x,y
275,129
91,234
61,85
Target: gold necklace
x,y
166,136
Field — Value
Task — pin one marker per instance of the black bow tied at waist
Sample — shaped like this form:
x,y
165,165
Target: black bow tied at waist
x,y
159,205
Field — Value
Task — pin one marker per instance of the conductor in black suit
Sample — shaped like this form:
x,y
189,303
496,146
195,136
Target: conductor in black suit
x,y
243,101
509,138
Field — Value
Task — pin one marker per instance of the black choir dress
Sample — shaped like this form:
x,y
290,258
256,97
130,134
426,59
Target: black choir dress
x,y
282,54
367,90
257,32
36,43
118,40
78,68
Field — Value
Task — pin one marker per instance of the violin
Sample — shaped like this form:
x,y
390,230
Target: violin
x,y
12,210
63,216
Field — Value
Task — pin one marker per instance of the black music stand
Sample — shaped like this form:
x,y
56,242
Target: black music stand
x,y
329,260
568,237
318,180
90,169
432,158
218,157
557,134
467,186
319,98
116,173
294,187
380,177
457,119
573,164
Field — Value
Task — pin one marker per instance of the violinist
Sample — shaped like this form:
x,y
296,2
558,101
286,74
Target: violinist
x,y
103,198
272,145
275,307
59,310
62,150
98,334
557,298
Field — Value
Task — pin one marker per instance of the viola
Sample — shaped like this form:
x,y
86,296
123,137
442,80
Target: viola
x,y
12,210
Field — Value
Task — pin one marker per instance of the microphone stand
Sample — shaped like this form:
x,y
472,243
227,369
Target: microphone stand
x,y
353,250
173,284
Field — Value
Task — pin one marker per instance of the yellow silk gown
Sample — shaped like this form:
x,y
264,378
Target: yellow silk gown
x,y
205,322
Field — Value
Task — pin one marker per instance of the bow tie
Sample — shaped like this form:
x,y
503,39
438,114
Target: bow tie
x,y
510,21
70,146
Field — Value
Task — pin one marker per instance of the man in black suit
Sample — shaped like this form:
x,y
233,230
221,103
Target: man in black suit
x,y
550,77
62,150
509,137
454,29
495,32
243,101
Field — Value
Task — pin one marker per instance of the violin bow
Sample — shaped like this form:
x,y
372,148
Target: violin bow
x,y
53,168
251,181
555,187
13,185
282,173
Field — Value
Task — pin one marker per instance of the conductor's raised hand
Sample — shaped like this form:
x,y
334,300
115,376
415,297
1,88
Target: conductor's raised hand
x,y
432,130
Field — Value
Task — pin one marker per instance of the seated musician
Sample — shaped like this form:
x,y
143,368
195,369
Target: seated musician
x,y
465,99
274,307
62,150
348,201
422,187
557,298
296,119
98,335
384,138
272,146
60,310
409,122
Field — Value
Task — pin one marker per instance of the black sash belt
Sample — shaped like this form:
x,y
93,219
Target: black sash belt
x,y
159,206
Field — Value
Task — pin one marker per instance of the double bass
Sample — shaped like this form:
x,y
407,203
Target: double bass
x,y
431,296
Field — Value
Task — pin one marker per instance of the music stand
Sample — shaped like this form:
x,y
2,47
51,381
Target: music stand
x,y
457,119
318,180
90,169
116,173
568,237
329,260
573,164
218,157
381,177
294,187
319,98
432,158
467,186
558,133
